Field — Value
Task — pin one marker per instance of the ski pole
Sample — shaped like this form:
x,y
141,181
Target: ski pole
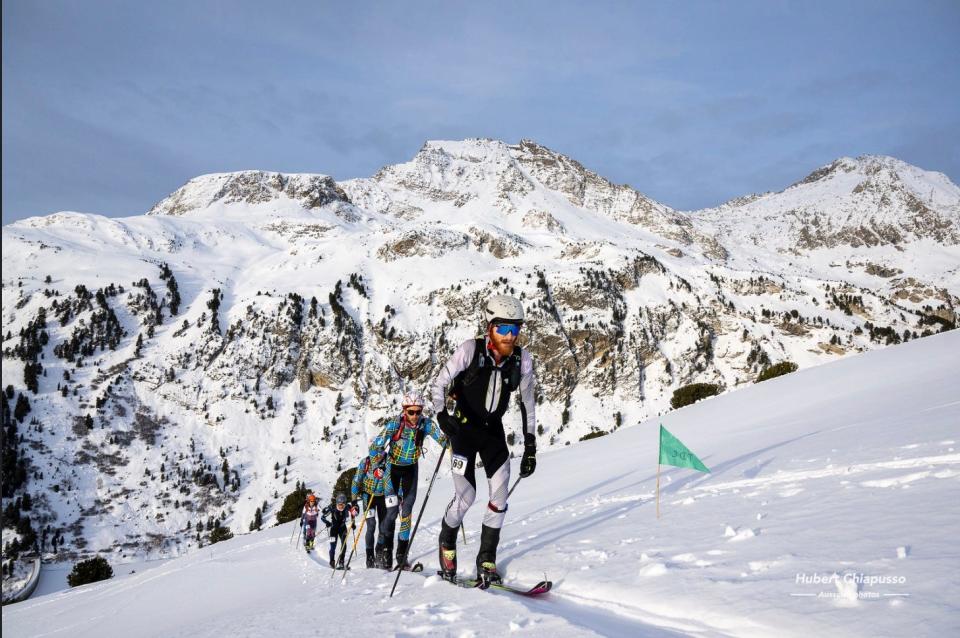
x,y
420,515
356,538
300,531
292,530
519,478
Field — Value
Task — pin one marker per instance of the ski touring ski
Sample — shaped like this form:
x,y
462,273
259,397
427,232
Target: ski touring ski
x,y
416,567
472,583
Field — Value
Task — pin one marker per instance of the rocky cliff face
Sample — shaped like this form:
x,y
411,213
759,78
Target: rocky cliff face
x,y
250,187
182,369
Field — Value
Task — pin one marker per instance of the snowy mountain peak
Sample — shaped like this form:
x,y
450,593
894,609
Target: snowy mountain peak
x,y
503,184
878,167
250,188
871,200
472,148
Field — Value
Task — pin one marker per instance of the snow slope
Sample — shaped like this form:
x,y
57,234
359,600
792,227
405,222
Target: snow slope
x,y
841,472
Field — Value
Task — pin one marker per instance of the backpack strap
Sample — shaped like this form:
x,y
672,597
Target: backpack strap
x,y
469,375
421,434
399,431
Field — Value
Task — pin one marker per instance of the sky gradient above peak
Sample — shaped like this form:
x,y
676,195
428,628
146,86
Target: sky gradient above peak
x,y
110,106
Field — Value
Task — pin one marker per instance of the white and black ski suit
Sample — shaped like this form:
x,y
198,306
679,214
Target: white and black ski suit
x,y
482,390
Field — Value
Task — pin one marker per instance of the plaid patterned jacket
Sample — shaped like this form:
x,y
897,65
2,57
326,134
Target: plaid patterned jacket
x,y
364,481
399,440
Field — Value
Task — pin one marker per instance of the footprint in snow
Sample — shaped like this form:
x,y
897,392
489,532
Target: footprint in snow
x,y
653,570
737,535
595,554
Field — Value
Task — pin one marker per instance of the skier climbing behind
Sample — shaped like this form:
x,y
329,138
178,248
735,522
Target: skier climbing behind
x,y
402,441
483,373
308,521
368,487
339,515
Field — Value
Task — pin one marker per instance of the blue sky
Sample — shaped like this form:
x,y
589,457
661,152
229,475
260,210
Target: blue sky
x,y
110,106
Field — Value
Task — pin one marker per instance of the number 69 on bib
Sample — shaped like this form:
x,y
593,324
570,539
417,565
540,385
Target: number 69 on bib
x,y
458,464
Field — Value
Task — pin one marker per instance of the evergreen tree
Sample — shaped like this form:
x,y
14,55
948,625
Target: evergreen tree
x,y
293,504
22,409
257,520
343,483
779,369
90,571
220,534
692,393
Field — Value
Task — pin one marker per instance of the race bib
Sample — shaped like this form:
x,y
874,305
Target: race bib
x,y
391,501
458,464
370,513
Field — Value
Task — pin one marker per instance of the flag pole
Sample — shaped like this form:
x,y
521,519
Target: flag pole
x,y
658,490
659,458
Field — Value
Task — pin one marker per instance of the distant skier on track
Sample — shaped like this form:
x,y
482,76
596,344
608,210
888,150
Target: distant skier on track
x,y
401,440
480,376
308,521
336,516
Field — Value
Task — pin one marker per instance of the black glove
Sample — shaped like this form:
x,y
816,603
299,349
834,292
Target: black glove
x,y
449,424
529,461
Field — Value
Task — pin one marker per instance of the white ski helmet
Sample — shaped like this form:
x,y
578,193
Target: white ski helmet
x,y
503,308
412,397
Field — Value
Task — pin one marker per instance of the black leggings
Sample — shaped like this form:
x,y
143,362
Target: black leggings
x,y
376,511
491,445
404,479
335,535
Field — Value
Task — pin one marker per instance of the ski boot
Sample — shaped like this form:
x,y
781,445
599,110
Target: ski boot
x,y
487,558
340,563
448,552
402,547
386,558
371,563
487,575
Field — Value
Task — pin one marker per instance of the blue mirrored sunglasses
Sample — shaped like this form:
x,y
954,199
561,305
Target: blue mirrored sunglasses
x,y
504,329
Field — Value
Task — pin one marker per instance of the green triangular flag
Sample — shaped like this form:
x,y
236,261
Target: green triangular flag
x,y
673,452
